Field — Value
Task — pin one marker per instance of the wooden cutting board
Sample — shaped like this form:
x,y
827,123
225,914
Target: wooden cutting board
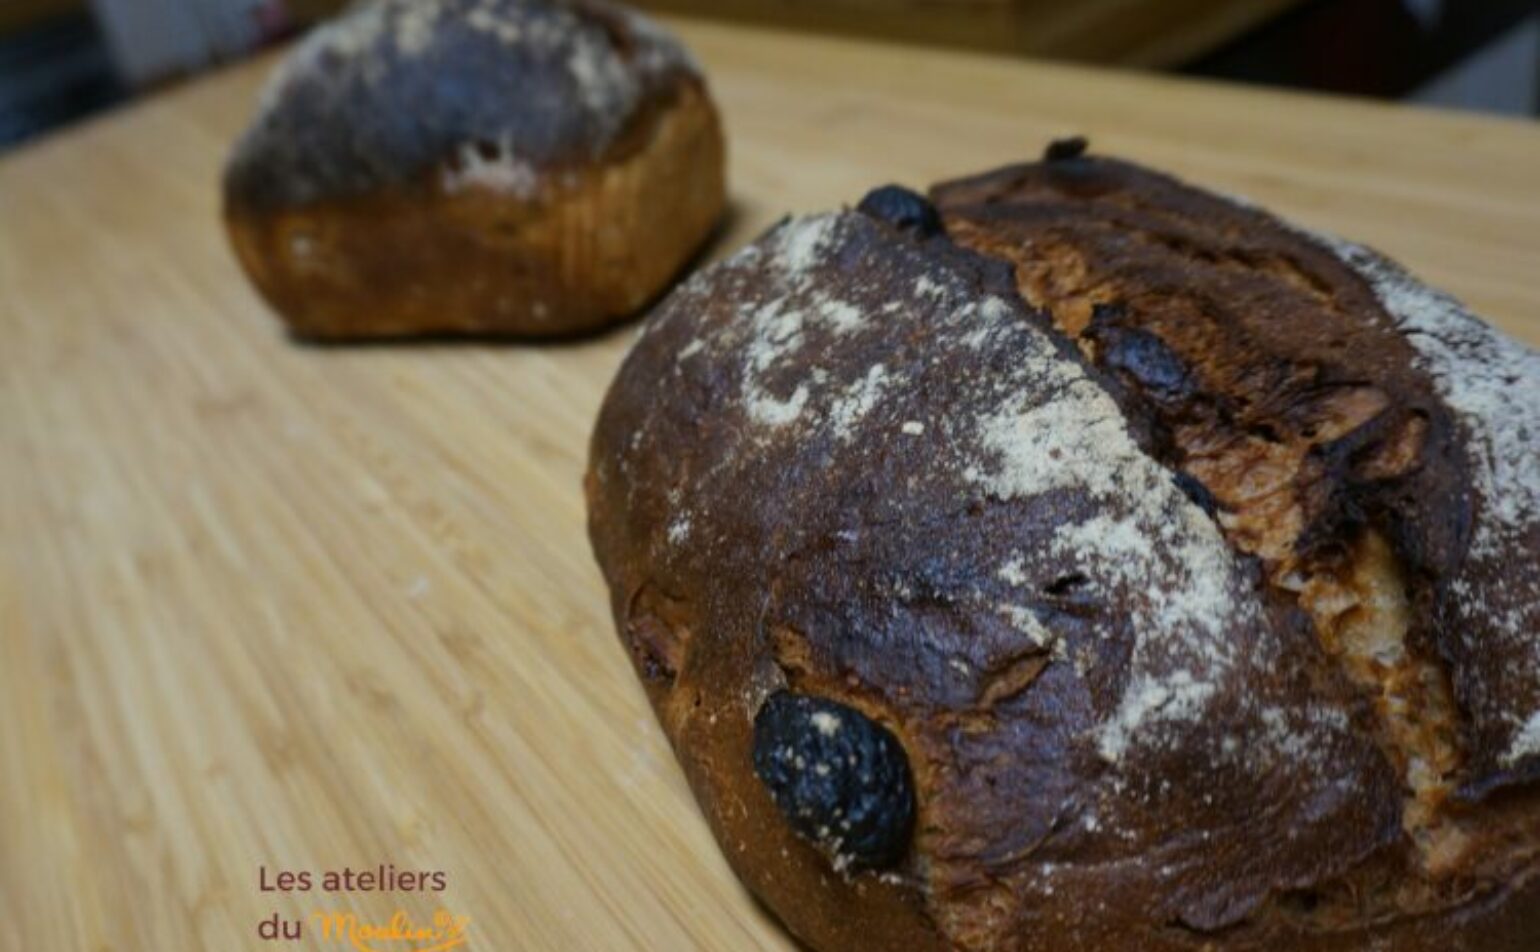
x,y
269,607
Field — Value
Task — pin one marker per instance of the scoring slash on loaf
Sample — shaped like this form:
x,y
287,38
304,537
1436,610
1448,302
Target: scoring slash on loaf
x,y
520,167
1166,577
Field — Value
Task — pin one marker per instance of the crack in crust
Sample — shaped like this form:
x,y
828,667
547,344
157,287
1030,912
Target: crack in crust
x,y
1301,452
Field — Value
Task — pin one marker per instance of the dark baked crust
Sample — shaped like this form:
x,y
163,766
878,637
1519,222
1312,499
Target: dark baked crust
x,y
528,167
394,89
853,462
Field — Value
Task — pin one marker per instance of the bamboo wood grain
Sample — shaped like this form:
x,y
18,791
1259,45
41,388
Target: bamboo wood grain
x,y
301,607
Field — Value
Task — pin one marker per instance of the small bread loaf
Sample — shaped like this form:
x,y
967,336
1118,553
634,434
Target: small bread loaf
x,y
1081,562
522,167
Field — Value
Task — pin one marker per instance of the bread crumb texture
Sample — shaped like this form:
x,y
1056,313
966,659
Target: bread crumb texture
x,y
488,92
1493,383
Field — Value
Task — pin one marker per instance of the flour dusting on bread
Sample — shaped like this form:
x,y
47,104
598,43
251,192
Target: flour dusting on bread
x,y
494,166
1177,697
548,82
777,330
1042,426
1493,383
1490,379
1059,430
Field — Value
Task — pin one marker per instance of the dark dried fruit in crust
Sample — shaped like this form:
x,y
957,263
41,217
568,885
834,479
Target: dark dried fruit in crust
x,y
902,208
1062,150
840,778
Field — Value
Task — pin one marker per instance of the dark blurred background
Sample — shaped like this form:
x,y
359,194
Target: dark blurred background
x,y
61,60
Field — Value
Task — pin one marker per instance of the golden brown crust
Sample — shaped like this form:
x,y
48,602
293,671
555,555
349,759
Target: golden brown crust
x,y
589,246
1148,593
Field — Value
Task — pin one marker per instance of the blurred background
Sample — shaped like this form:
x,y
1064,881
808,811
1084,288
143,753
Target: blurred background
x,y
61,60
